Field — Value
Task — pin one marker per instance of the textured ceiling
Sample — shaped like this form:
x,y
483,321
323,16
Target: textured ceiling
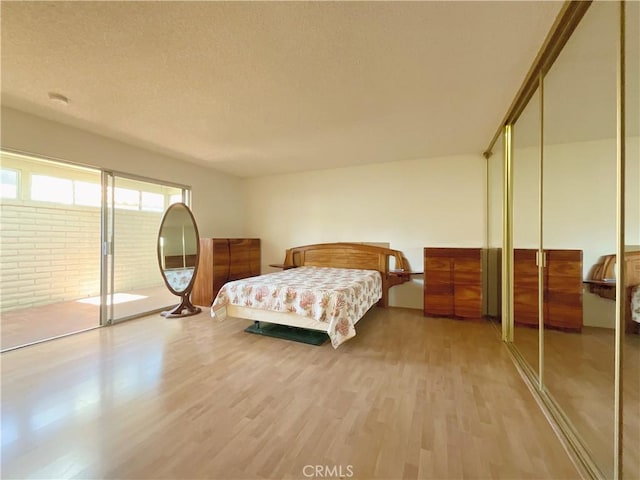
x,y
259,88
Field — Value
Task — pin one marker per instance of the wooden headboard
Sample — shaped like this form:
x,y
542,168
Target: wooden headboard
x,y
352,255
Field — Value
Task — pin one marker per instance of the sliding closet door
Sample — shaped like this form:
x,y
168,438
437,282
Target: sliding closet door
x,y
631,344
526,183
133,279
579,229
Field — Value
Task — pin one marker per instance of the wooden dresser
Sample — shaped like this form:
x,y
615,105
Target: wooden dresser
x,y
525,287
223,260
562,288
453,282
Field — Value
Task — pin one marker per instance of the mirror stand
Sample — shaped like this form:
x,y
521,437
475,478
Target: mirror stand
x,y
179,311
178,256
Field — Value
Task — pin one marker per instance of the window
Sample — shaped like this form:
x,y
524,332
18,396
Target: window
x,y
86,193
127,199
152,202
9,185
68,191
176,198
51,189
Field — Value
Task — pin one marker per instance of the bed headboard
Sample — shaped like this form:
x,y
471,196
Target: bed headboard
x,y
351,255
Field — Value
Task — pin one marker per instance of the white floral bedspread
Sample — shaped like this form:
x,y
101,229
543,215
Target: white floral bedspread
x,y
337,296
635,304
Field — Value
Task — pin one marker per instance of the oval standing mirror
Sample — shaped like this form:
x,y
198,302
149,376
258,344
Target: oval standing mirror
x,y
178,252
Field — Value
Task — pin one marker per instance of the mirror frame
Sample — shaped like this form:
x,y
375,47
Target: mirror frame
x,y
185,308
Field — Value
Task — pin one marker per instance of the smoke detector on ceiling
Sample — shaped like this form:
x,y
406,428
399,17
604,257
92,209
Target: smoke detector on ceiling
x,y
58,98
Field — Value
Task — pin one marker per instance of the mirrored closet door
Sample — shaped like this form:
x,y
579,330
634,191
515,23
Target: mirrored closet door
x,y
579,228
526,185
572,180
631,345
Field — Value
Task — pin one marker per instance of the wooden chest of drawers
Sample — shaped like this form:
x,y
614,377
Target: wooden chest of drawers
x,y
223,260
453,282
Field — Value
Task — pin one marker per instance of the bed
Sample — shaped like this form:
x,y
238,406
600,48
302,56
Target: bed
x,y
634,307
602,282
323,287
179,278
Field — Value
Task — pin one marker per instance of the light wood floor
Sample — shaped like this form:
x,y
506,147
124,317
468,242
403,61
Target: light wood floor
x,y
579,374
408,397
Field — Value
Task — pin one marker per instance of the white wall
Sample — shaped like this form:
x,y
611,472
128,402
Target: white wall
x,y
410,204
218,203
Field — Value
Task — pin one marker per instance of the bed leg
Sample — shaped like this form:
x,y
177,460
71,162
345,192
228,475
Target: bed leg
x,y
256,324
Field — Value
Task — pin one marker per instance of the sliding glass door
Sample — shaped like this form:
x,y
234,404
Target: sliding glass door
x,y
134,210
78,248
49,249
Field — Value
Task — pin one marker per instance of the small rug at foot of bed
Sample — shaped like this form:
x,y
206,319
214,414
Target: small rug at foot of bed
x,y
295,334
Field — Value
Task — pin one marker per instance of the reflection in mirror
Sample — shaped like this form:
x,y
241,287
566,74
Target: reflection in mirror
x,y
579,228
631,364
526,237
178,251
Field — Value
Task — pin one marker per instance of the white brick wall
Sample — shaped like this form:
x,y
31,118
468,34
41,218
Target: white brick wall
x,y
51,253
135,251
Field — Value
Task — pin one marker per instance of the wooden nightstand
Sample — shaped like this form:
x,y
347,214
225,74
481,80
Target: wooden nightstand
x,y
403,273
282,266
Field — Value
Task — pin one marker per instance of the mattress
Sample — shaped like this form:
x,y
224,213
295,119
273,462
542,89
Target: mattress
x,y
337,297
